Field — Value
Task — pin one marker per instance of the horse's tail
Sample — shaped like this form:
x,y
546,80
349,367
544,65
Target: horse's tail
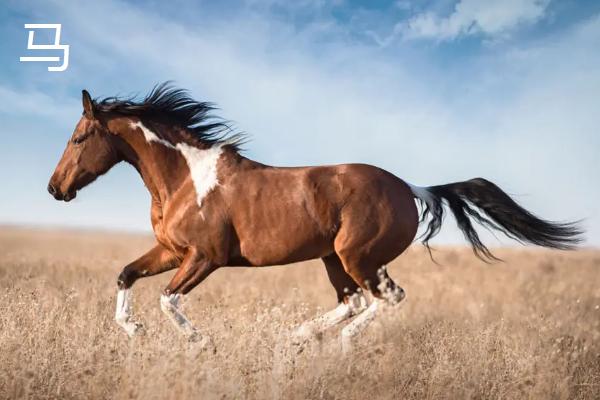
x,y
481,200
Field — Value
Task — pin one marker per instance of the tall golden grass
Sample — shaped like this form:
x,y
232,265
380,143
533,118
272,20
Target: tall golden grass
x,y
526,328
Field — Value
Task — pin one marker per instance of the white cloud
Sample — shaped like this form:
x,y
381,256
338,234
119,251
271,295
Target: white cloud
x,y
403,5
508,116
491,18
28,103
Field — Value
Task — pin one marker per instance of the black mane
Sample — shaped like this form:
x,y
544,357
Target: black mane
x,y
175,105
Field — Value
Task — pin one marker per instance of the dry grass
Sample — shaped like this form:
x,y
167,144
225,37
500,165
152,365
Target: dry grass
x,y
528,328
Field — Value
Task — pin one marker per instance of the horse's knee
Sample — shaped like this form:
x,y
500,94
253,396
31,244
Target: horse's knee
x,y
127,277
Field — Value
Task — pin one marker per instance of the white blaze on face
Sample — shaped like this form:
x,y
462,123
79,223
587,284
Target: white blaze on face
x,y
201,162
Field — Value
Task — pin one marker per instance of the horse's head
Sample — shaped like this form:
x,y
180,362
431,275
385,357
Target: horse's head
x,y
90,153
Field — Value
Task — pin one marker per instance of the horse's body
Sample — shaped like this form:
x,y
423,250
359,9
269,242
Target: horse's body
x,y
212,207
260,215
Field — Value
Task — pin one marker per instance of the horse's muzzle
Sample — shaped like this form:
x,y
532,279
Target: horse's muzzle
x,y
58,195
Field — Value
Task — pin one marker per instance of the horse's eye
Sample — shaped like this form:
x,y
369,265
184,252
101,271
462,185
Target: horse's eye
x,y
79,140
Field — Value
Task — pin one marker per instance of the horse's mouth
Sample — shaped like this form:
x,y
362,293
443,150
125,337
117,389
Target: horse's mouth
x,y
69,196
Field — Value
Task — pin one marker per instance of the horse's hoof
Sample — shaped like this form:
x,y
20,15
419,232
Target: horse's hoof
x,y
299,346
194,337
139,329
347,345
203,341
301,335
208,346
132,329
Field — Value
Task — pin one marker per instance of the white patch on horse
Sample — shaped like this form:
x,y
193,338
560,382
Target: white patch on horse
x,y
201,162
151,136
123,312
422,193
203,167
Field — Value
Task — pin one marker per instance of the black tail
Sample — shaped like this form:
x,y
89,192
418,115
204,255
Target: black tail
x,y
495,210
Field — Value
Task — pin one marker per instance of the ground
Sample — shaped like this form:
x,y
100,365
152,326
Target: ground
x,y
525,328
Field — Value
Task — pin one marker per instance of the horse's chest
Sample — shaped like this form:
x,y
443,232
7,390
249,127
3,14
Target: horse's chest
x,y
162,237
163,229
181,224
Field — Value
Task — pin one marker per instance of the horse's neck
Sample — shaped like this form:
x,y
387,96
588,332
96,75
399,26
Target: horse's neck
x,y
165,166
160,166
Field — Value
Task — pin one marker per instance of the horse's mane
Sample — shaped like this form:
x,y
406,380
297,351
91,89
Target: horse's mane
x,y
175,105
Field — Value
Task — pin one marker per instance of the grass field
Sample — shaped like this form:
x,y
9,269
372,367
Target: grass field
x,y
526,328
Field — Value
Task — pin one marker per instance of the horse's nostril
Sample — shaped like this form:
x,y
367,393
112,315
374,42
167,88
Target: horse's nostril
x,y
51,189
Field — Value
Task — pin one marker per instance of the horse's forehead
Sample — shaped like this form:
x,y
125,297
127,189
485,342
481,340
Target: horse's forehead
x,y
83,125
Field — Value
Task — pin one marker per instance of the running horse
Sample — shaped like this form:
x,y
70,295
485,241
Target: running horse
x,y
213,207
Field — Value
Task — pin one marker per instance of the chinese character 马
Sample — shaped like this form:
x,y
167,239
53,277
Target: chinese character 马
x,y
55,46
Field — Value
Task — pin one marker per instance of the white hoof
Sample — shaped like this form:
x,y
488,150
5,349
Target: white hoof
x,y
302,334
346,344
131,328
204,342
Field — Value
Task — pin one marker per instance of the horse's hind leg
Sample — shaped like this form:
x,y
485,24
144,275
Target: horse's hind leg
x,y
343,283
386,292
350,298
363,255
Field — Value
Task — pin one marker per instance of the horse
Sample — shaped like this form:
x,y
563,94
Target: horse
x,y
213,207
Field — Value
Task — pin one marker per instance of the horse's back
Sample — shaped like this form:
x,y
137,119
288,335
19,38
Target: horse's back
x,y
364,184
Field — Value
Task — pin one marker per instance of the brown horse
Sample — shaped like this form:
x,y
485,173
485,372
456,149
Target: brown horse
x,y
213,207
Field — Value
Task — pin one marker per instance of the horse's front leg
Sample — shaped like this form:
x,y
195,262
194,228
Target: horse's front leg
x,y
193,270
153,262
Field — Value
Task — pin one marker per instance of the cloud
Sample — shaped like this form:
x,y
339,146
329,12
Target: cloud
x,y
28,103
490,18
508,116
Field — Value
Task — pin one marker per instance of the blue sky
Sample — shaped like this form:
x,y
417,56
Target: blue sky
x,y
434,91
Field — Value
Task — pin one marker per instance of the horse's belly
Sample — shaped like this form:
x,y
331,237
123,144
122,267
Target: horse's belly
x,y
255,255
283,216
284,245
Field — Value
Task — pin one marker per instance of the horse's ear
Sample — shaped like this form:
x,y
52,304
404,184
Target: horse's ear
x,y
88,104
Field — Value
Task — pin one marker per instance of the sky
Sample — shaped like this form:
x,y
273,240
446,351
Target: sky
x,y
434,91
